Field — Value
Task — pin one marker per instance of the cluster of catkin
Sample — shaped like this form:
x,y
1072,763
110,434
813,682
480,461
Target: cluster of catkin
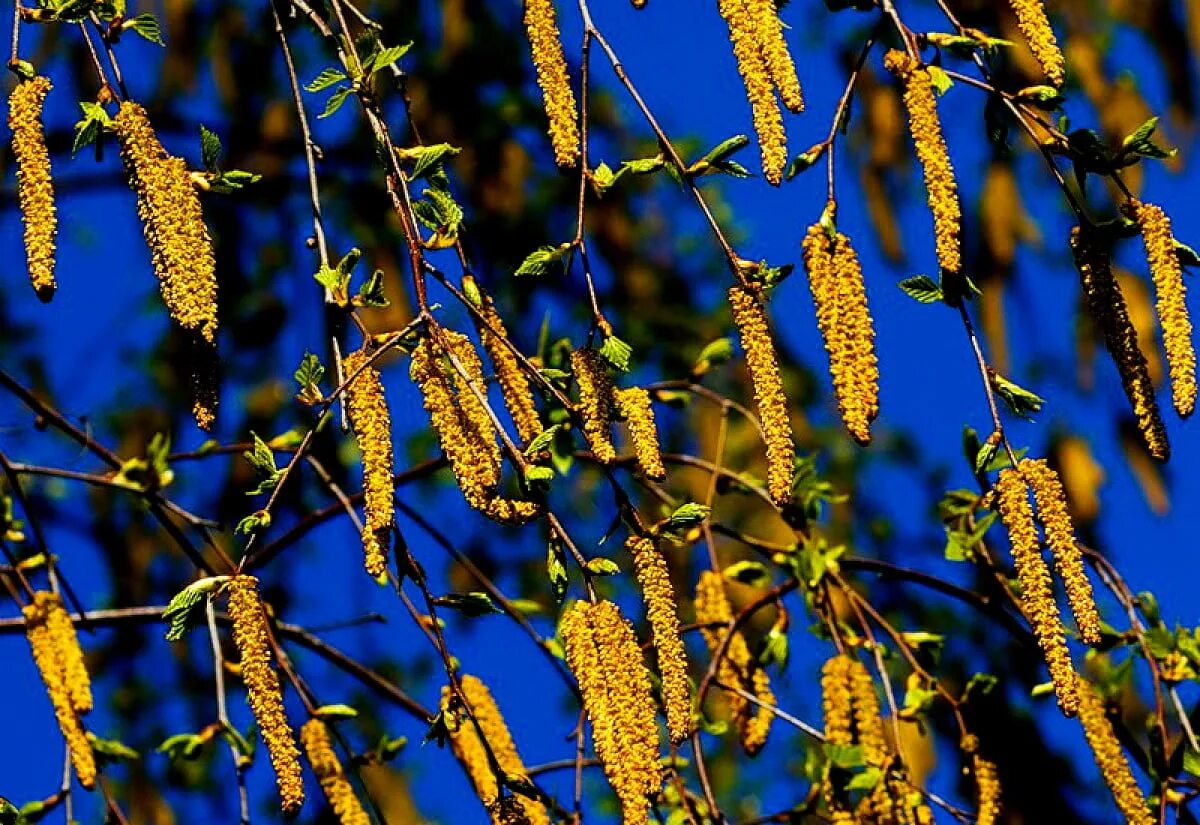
x,y
987,782
251,638
472,751
35,185
541,25
452,385
754,331
367,410
1035,27
1170,300
607,662
513,382
59,660
318,747
737,668
1106,748
1107,307
1037,595
836,280
926,129
600,399
766,67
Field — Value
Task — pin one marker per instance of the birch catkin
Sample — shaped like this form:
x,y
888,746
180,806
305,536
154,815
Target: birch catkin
x,y
1107,306
926,130
633,404
367,410
1035,27
67,651
1170,301
250,636
318,747
541,25
764,109
987,781
654,579
35,185
605,658
1106,748
595,402
768,29
750,317
514,383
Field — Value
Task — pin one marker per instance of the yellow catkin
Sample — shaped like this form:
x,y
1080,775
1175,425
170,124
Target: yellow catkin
x,y
250,636
768,28
607,662
173,223
837,701
754,331
868,718
1035,26
633,404
514,383
659,595
1052,512
66,648
737,667
367,409
595,402
764,108
1114,767
926,130
541,24
1037,595
1107,306
987,780
318,747
469,749
836,282
1170,301
35,185
468,380
44,645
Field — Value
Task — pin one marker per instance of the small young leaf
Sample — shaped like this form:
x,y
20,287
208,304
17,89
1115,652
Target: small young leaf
x,y
687,516
1020,400
601,566
327,78
370,294
469,604
335,101
210,148
147,26
336,712
539,261
922,288
182,611
616,352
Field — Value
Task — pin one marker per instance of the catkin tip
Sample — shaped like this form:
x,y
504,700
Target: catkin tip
x,y
633,404
1106,749
595,402
1035,27
318,747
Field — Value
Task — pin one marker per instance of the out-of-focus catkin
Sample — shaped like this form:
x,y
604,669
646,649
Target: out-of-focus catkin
x,y
659,595
1035,26
173,223
836,281
514,384
367,409
541,24
250,636
595,402
926,130
67,650
756,75
633,404
607,662
1107,306
987,782
1106,748
1037,594
768,28
35,185
318,747
754,331
737,667
1052,512
1170,301
469,749
44,644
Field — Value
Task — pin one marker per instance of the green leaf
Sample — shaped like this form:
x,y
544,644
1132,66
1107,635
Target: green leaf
x,y
232,181
541,441
774,649
112,750
539,477
980,684
922,288
308,375
1186,255
1020,400
370,294
687,516
210,148
601,566
335,101
616,352
262,459
253,523
556,571
182,612
389,747
1140,142
181,746
388,56
146,26
469,604
643,166
753,573
336,712
425,158
1191,761
714,353
939,79
538,261
805,160
987,452
846,757
24,70
333,280
866,780
726,148
327,77
88,129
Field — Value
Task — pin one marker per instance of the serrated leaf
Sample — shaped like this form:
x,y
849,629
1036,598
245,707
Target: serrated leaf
x,y
182,612
335,101
308,375
922,288
753,573
370,294
714,353
386,57
775,649
145,25
210,148
469,604
687,516
542,441
616,352
538,262
1141,143
425,158
327,77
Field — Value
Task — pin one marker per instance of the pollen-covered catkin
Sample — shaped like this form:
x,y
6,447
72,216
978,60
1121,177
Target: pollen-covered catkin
x,y
318,747
836,281
605,658
250,637
514,384
1106,748
471,392
541,24
987,781
754,331
1037,594
633,404
1035,26
469,749
1170,301
654,579
926,130
868,718
172,221
67,651
837,701
1052,512
44,645
35,185
595,402
768,28
1107,306
764,108
367,410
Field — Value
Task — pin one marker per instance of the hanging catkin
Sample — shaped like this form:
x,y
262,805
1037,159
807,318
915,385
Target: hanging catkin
x,y
633,404
768,30
541,25
318,747
250,637
367,410
750,317
987,781
35,185
595,402
514,383
1106,748
1035,27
